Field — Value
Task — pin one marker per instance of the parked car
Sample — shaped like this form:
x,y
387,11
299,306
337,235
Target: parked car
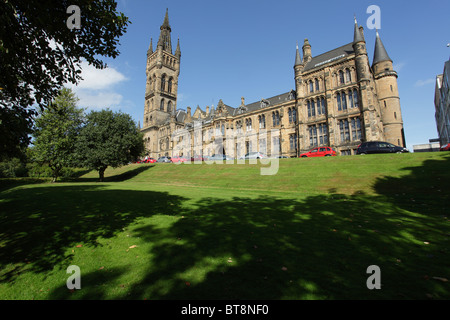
x,y
319,152
198,158
218,157
373,147
148,160
253,155
445,148
177,159
164,160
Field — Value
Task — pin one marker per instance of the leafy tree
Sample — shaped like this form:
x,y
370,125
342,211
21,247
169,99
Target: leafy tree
x,y
108,139
39,54
56,130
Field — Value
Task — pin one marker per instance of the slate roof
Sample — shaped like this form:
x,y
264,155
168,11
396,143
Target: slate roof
x,y
330,56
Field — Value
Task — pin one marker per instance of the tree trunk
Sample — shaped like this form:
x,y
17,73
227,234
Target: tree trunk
x,y
101,174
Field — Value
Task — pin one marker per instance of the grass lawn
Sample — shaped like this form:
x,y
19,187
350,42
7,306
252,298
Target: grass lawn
x,y
169,231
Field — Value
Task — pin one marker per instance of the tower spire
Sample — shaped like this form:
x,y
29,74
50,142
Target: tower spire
x,y
298,59
177,50
150,47
380,52
357,37
164,41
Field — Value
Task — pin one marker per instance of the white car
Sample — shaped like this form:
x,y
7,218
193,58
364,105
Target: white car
x,y
253,155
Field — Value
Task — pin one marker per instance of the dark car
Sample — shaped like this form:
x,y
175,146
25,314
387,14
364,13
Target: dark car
x,y
164,160
373,147
445,147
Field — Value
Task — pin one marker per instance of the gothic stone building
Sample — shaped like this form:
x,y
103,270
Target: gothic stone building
x,y
340,100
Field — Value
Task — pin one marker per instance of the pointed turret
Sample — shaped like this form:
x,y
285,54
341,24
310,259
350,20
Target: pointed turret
x,y
357,37
178,51
298,59
380,54
164,41
150,47
307,56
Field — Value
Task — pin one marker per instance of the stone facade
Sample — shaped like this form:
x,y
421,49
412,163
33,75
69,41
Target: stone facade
x,y
339,100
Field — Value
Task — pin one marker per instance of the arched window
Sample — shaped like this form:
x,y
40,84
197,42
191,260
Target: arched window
x,y
348,76
163,83
350,100
169,106
341,77
290,115
167,143
309,108
294,115
222,129
317,84
355,98
323,105
161,106
311,86
313,108
344,101
169,86
338,99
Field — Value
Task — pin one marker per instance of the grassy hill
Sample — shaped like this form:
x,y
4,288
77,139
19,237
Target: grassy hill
x,y
169,231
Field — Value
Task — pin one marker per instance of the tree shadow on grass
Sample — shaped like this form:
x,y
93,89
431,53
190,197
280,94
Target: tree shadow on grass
x,y
129,174
317,247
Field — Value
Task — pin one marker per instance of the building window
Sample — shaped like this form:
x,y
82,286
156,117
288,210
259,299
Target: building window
x,y
169,106
161,106
317,84
239,126
262,121
290,115
313,108
276,118
163,83
263,146
355,98
222,129
395,115
338,99
248,124
309,108
322,130
341,77
348,76
169,86
322,105
294,115
345,131
312,136
311,87
293,142
356,129
344,101
350,100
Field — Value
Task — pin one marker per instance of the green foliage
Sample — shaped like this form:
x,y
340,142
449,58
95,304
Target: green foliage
x,y
56,131
39,55
108,139
13,168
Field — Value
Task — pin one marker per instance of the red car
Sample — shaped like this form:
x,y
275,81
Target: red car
x,y
178,159
319,152
446,147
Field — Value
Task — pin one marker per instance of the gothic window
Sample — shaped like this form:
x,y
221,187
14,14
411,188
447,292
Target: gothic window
x,y
293,142
345,131
355,98
262,121
311,86
344,101
161,106
169,106
248,123
169,86
341,77
338,99
323,133
239,126
276,118
222,129
163,83
350,100
167,143
312,136
356,129
290,115
313,108
317,84
294,115
348,76
322,105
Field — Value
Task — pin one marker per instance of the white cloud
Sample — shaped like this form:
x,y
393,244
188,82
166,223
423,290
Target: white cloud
x,y
421,83
97,89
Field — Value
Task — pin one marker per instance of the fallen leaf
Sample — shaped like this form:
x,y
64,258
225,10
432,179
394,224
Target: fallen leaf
x,y
284,269
440,279
425,242
133,246
79,246
101,268
188,283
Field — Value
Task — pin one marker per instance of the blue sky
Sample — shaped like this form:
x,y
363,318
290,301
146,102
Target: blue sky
x,y
232,49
